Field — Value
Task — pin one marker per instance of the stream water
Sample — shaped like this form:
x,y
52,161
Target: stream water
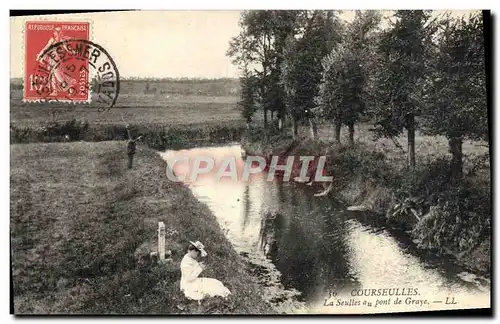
x,y
312,255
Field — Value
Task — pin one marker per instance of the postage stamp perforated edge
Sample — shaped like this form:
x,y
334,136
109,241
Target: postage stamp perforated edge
x,y
57,19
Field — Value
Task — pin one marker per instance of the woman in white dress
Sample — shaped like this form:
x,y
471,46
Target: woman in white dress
x,y
194,287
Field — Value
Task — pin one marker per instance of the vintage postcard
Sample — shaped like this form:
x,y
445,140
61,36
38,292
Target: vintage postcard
x,y
250,162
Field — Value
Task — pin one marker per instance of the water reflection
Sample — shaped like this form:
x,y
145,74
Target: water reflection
x,y
311,244
307,243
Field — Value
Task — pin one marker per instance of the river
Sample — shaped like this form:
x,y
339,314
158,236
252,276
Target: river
x,y
311,255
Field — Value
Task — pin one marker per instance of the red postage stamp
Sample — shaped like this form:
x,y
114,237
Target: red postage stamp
x,y
46,77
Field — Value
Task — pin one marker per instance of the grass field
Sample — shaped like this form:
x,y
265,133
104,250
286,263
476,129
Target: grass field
x,y
169,113
132,108
170,86
427,148
152,102
79,218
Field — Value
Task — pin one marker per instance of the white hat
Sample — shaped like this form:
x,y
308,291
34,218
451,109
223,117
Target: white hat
x,y
198,245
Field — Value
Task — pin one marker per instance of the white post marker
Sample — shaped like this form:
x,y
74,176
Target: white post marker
x,y
161,241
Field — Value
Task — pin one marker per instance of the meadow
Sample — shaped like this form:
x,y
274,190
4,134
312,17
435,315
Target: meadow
x,y
183,103
427,148
188,113
82,227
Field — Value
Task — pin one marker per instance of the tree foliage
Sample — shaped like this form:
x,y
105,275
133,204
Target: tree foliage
x,y
404,54
456,89
342,92
260,45
248,90
302,68
404,77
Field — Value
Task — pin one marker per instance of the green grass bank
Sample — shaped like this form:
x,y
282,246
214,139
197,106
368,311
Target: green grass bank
x,y
158,137
82,226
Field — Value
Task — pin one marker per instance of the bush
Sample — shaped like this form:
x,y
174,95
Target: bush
x,y
460,222
155,136
427,180
49,132
357,161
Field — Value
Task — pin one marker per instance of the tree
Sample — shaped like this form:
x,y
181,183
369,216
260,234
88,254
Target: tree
x,y
253,46
287,23
301,66
342,94
247,101
322,34
260,45
330,91
405,50
456,104
290,82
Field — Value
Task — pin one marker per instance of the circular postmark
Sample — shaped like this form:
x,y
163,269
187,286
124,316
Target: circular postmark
x,y
77,70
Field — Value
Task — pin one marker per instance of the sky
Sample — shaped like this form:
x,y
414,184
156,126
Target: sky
x,y
155,43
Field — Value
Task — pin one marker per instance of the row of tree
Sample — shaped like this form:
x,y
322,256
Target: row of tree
x,y
418,72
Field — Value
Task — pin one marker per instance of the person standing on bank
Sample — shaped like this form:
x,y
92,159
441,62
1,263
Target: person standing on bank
x,y
131,145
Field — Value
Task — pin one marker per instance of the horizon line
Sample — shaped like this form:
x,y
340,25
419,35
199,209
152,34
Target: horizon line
x,y
162,78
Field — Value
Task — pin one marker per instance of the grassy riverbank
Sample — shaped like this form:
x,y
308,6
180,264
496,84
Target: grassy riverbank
x,y
158,137
80,222
169,113
454,217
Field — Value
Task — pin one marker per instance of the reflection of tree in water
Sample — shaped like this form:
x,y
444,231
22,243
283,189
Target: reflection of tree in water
x,y
281,193
246,205
336,274
297,260
307,243
270,230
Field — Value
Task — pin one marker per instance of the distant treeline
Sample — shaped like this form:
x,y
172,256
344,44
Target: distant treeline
x,y
182,80
169,86
204,87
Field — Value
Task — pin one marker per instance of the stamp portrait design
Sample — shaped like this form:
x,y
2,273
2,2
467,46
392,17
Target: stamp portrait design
x,y
46,76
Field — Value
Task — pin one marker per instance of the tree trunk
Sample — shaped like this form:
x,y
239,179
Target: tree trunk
x,y
295,127
272,115
338,127
281,119
351,135
314,128
411,140
456,160
265,117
